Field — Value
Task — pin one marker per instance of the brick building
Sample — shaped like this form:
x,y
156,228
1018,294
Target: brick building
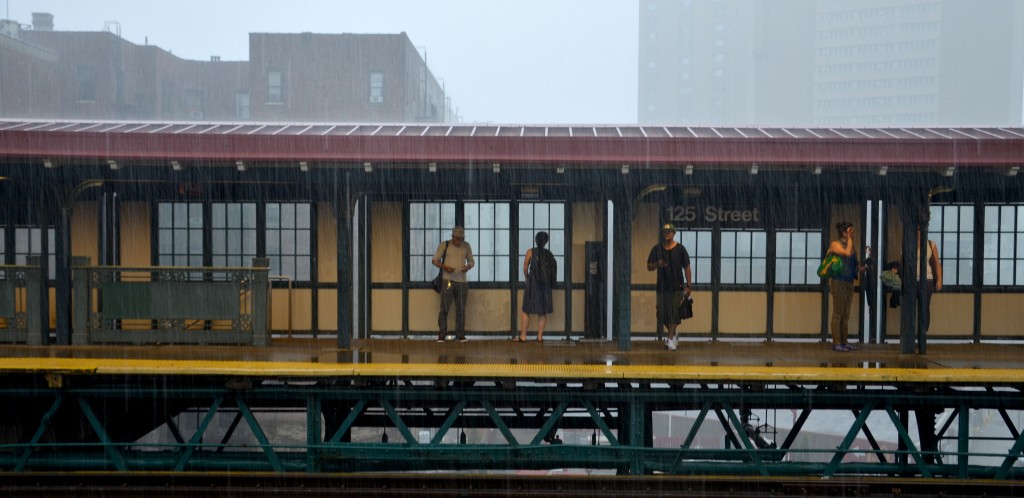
x,y
289,77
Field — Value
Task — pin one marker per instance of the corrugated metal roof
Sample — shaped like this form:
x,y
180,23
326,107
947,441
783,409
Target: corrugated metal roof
x,y
509,143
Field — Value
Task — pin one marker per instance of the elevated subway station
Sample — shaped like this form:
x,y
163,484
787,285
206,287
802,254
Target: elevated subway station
x,y
325,232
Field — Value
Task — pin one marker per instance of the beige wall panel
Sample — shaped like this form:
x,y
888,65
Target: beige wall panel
x,y
645,314
327,315
85,232
1002,314
556,320
386,238
742,312
326,243
645,236
296,311
386,314
486,311
953,314
587,225
579,312
797,313
135,234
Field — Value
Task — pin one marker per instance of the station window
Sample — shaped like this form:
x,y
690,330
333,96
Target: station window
x,y
698,246
797,254
487,231
430,224
1004,245
29,241
289,237
180,234
952,229
537,217
744,258
232,234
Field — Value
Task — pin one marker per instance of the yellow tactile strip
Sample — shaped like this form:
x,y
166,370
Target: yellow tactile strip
x,y
690,373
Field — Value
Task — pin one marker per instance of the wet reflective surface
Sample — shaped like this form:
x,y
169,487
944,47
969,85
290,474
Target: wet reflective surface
x,y
560,352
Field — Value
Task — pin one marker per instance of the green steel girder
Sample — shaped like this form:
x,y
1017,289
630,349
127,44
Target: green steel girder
x,y
621,412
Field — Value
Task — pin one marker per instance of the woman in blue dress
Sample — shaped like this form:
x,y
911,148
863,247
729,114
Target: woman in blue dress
x,y
537,267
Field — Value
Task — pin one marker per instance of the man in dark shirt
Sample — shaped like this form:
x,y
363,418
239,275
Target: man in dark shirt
x,y
671,260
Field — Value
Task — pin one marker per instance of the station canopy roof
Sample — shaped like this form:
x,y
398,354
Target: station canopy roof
x,y
340,145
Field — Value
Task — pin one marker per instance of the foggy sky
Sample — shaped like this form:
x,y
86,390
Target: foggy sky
x,y
501,61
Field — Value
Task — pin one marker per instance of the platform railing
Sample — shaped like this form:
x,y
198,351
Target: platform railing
x,y
21,303
170,305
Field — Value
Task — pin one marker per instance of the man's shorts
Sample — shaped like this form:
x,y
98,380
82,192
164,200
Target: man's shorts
x,y
668,307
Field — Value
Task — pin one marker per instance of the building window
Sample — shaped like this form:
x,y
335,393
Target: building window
x,y
743,256
546,217
952,229
487,231
232,234
29,241
86,84
242,105
430,223
275,87
376,88
289,237
698,246
1003,261
180,234
797,254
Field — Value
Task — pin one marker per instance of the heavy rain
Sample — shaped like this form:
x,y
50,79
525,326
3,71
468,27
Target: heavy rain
x,y
464,248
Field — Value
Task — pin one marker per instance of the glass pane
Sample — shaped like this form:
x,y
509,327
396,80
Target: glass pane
x,y
302,270
744,244
273,243
164,215
525,215
195,242
728,244
557,243
704,244
273,216
287,215
21,241
758,270
991,246
728,271
288,266
502,243
249,215
743,269
542,213
303,216
991,218
195,216
447,215
218,242
558,216
288,242
967,218
1005,245
702,268
935,219
966,246
814,245
302,245
782,241
416,215
249,242
782,271
1006,219
234,242
432,213
234,215
1006,272
217,214
965,271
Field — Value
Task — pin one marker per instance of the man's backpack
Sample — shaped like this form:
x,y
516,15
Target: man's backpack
x,y
545,267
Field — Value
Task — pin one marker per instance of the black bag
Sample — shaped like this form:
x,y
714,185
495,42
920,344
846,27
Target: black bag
x,y
438,283
545,268
686,308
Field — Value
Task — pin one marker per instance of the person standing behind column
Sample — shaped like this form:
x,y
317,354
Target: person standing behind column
x,y
841,286
457,261
670,259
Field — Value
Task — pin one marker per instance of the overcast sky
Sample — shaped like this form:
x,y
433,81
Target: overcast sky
x,y
502,61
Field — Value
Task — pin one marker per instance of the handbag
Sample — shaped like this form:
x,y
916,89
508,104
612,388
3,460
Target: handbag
x,y
831,266
686,308
438,283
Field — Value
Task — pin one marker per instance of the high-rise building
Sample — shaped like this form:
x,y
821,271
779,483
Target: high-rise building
x,y
831,62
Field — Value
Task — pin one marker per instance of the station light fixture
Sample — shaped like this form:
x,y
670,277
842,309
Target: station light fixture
x,y
689,170
112,164
817,170
625,169
368,167
883,170
560,169
175,165
496,167
950,170
1013,171
753,169
240,165
304,166
48,164
432,167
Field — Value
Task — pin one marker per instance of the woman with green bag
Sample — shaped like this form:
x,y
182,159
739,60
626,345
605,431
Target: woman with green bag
x,y
841,286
